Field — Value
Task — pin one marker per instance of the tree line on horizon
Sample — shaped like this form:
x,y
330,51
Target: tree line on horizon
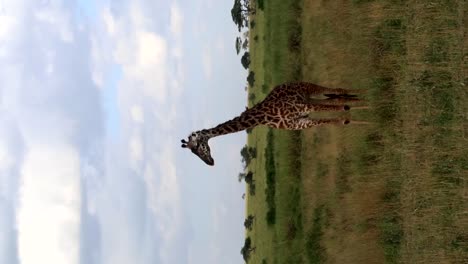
x,y
240,13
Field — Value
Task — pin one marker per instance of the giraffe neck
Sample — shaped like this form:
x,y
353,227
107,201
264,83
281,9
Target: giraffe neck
x,y
244,121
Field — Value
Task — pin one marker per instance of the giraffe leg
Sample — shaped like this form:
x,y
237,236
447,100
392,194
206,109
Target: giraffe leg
x,y
345,101
337,96
303,123
341,92
350,94
334,101
327,107
313,89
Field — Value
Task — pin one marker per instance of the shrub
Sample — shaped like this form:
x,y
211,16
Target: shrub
x,y
251,78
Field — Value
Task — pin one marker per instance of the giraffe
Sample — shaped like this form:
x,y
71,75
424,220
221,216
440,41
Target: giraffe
x,y
286,107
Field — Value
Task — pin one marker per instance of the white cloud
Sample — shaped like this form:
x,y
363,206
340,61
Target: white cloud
x,y
220,46
176,20
136,15
58,19
98,62
219,213
48,217
164,201
6,158
136,149
207,64
137,114
53,115
7,23
7,234
143,56
148,92
50,67
102,45
9,157
11,13
109,21
176,29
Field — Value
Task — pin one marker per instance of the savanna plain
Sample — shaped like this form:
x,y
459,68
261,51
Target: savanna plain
x,y
393,191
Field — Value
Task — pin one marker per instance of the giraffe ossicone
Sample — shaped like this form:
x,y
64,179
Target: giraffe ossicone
x,y
287,106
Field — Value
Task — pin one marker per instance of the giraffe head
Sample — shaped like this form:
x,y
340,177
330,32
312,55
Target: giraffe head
x,y
198,144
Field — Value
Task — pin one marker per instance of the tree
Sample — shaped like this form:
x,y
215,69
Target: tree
x,y
238,16
252,97
238,44
245,60
247,154
242,42
252,188
248,177
252,24
245,44
251,78
249,222
241,176
240,13
261,4
247,249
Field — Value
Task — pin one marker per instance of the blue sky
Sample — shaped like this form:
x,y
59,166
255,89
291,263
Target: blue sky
x,y
94,100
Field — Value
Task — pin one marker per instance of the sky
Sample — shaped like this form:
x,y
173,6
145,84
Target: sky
x,y
94,99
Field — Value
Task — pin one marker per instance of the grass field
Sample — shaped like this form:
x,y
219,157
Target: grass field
x,y
395,191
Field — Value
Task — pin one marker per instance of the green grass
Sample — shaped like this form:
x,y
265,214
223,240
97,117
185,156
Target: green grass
x,y
276,166
392,192
315,250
